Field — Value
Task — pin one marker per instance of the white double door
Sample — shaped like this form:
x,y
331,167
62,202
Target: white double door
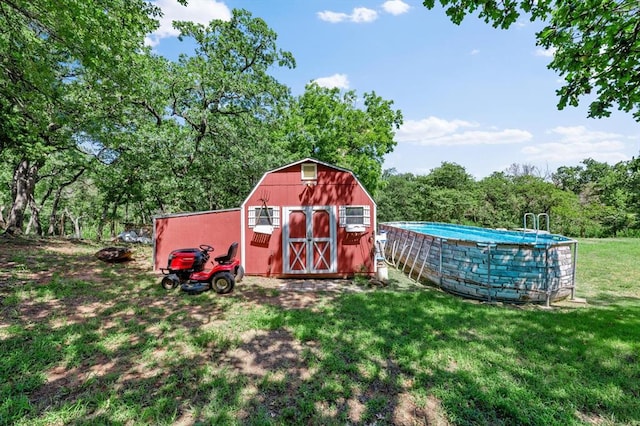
x,y
309,240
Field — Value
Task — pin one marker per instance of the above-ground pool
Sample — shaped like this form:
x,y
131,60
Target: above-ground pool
x,y
486,264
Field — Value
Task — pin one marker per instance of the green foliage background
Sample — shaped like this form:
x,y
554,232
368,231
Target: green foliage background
x,y
97,131
590,200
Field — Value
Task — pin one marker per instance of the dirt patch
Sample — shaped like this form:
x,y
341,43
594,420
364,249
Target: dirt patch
x,y
295,293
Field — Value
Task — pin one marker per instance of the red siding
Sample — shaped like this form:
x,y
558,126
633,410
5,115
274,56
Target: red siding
x,y
263,254
218,229
284,188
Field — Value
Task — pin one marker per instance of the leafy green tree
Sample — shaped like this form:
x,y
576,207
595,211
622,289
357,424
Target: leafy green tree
x,y
570,217
450,176
447,205
596,45
48,49
593,171
499,205
327,124
568,178
399,198
221,103
197,135
534,195
633,189
603,201
507,199
613,191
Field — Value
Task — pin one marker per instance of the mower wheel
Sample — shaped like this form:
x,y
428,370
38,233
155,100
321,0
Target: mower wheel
x,y
170,282
239,273
223,283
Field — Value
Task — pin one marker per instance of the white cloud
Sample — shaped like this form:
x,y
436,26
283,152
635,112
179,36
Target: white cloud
x,y
581,133
395,7
433,131
362,14
198,11
605,151
486,137
333,17
547,53
358,15
341,81
475,51
575,143
428,128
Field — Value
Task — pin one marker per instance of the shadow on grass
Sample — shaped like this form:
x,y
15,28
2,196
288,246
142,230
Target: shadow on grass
x,y
82,352
381,357
482,364
121,361
114,348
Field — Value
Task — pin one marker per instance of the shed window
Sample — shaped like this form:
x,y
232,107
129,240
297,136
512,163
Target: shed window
x,y
355,215
309,171
264,215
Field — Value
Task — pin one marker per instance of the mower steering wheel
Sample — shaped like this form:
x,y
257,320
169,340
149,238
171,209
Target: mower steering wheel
x,y
206,247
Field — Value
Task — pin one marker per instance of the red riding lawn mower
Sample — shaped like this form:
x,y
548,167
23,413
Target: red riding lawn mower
x,y
185,267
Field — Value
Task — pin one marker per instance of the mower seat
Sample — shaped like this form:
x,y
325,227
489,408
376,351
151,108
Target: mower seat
x,y
231,254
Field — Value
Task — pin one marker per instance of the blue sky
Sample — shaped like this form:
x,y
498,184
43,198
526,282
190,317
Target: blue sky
x,y
471,94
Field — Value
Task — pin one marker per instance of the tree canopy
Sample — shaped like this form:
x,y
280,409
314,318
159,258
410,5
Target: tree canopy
x,y
593,199
327,124
98,129
61,63
95,129
596,45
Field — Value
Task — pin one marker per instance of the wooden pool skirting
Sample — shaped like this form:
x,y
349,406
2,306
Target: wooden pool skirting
x,y
501,272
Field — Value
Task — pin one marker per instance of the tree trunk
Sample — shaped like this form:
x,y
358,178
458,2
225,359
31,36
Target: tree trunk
x,y
22,187
160,204
76,227
77,232
2,222
30,225
34,220
103,219
56,201
61,224
54,212
113,218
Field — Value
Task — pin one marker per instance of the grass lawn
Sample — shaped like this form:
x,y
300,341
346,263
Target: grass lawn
x,y
84,342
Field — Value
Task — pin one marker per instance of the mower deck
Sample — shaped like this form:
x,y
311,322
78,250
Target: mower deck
x,y
195,288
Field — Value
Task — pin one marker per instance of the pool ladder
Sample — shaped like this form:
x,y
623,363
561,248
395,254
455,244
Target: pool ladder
x,y
535,219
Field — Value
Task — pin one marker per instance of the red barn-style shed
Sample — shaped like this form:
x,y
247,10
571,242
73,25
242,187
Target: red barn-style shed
x,y
307,218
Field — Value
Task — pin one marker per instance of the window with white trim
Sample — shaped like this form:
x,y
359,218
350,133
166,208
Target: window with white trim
x,y
309,171
355,215
264,215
